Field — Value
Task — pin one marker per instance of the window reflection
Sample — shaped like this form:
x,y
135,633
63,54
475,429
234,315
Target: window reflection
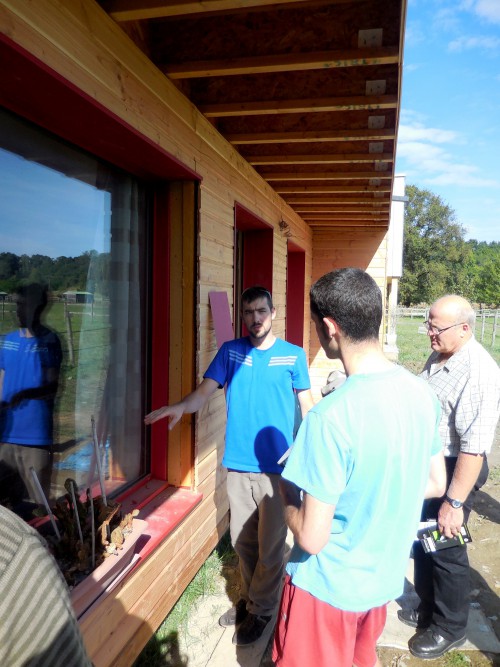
x,y
75,228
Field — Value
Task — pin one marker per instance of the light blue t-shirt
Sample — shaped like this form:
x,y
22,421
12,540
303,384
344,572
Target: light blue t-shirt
x,y
366,449
260,401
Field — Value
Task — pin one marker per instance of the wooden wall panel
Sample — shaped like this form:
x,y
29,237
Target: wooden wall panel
x,y
336,249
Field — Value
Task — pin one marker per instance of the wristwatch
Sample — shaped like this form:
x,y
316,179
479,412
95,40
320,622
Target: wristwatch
x,y
456,504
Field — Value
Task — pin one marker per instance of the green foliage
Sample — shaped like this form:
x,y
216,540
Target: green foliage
x,y
436,258
488,282
59,274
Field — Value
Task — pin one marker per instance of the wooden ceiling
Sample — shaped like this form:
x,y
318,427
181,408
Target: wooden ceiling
x,y
308,92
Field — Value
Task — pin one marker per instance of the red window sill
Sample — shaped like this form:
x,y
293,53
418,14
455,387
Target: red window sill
x,y
163,507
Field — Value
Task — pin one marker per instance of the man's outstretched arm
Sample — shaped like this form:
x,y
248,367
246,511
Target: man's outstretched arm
x,y
193,402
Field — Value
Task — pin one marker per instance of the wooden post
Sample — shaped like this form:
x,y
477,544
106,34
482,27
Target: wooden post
x,y
495,323
69,333
483,319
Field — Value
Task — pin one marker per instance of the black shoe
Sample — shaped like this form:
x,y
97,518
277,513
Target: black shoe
x,y
414,618
250,630
235,615
429,645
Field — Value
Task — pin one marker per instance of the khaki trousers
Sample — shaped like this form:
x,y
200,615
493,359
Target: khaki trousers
x,y
258,533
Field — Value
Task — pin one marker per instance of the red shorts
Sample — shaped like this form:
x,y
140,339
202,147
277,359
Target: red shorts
x,y
312,632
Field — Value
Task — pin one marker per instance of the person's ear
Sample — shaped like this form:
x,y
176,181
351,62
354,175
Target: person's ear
x,y
273,313
330,326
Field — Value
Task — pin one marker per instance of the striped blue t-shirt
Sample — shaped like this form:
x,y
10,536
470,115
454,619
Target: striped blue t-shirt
x,y
260,401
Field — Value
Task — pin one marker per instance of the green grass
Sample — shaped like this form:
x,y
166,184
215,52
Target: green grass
x,y
414,347
456,659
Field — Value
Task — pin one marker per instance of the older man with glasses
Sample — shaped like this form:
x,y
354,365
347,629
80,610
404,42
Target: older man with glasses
x,y
466,380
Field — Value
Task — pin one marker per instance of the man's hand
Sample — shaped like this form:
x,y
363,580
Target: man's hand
x,y
450,520
173,412
193,402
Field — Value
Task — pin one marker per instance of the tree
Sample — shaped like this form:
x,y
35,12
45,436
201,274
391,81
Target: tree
x,y
488,283
436,258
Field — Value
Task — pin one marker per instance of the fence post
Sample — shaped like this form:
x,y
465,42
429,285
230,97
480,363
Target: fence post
x,y
495,322
69,332
483,320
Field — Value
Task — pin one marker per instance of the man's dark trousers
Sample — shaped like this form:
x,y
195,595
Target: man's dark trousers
x,y
442,578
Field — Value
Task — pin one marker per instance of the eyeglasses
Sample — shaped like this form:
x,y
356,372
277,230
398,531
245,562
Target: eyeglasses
x,y
436,331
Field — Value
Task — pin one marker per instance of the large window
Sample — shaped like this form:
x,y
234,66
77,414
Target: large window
x,y
73,289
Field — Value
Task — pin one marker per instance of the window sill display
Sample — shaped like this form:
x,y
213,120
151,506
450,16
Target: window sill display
x,y
92,542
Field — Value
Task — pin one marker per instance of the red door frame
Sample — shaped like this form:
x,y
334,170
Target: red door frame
x,y
257,255
295,284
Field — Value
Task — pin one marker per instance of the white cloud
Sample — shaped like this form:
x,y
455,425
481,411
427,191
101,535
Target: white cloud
x,y
418,132
414,34
411,68
488,9
468,43
424,157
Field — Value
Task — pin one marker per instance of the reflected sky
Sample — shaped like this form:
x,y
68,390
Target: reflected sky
x,y
45,212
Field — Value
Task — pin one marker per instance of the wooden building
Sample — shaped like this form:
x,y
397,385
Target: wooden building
x,y
259,138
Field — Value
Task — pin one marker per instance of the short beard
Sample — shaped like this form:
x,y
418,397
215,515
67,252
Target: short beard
x,y
259,336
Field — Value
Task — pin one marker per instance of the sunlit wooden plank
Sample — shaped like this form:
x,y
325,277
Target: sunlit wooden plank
x,y
293,62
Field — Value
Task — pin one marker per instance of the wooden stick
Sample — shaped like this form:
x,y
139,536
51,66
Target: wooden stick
x,y
45,502
98,461
75,510
92,523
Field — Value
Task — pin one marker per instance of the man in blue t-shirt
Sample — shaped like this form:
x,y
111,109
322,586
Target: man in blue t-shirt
x,y
363,459
30,361
263,375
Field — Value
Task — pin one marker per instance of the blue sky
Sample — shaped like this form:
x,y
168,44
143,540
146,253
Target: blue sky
x,y
449,130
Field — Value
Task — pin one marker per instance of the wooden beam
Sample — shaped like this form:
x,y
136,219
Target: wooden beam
x,y
307,198
347,223
289,62
347,216
310,137
283,189
333,208
334,158
312,105
325,175
137,10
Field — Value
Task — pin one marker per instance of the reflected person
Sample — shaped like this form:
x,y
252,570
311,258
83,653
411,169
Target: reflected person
x,y
30,361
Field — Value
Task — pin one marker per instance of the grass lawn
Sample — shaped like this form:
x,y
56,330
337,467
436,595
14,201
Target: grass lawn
x,y
414,347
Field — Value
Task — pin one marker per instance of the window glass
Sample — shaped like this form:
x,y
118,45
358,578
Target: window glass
x,y
72,303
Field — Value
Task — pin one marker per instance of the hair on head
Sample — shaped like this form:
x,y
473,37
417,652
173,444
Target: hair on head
x,y
353,299
35,294
257,292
